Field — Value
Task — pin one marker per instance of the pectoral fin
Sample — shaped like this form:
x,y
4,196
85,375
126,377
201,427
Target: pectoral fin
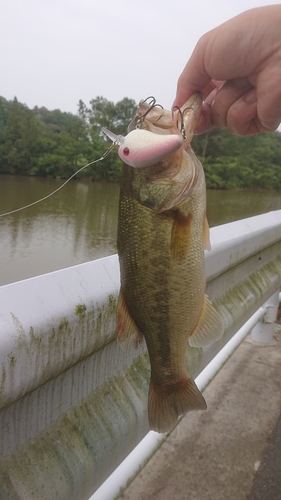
x,y
128,333
206,234
180,237
209,328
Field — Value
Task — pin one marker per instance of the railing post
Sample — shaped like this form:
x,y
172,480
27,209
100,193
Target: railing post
x,y
264,329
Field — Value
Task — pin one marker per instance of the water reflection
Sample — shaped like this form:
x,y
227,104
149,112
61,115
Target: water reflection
x,y
79,223
227,206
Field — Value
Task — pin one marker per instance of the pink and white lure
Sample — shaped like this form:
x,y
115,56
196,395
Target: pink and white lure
x,y
141,148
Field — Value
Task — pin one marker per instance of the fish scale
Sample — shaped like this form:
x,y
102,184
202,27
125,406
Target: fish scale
x,y
162,232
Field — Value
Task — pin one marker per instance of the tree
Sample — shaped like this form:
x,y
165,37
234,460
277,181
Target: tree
x,y
4,114
104,113
125,111
234,162
19,149
43,142
83,114
101,114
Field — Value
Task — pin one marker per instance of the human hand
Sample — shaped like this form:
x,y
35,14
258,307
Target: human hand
x,y
237,67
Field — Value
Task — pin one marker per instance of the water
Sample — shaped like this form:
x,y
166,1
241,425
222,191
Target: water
x,y
227,206
79,222
76,225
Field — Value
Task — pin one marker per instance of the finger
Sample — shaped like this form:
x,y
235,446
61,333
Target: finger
x,y
194,77
225,98
209,89
185,89
259,109
205,119
269,96
243,117
205,122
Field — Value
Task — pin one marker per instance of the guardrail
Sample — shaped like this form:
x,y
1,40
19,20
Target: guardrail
x,y
72,403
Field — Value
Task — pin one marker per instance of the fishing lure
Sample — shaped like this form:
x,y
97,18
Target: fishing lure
x,y
141,148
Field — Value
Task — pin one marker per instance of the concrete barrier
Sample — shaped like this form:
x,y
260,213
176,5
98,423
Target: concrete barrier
x,y
72,404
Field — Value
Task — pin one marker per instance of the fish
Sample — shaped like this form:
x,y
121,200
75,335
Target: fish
x,y
162,234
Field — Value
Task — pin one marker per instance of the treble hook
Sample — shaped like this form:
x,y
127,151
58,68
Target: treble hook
x,y
181,113
152,104
182,130
153,100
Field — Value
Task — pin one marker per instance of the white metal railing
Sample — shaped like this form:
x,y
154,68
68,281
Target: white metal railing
x,y
128,469
72,404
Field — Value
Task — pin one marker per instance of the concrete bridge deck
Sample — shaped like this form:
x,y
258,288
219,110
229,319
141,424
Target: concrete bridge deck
x,y
233,450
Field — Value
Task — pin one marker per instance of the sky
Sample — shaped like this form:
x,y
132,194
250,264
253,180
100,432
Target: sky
x,y
56,52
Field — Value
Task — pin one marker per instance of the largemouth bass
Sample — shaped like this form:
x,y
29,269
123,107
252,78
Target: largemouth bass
x,y
162,234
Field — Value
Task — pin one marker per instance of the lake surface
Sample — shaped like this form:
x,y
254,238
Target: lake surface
x,y
79,223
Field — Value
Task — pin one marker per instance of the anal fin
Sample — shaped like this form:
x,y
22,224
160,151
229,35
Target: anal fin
x,y
209,328
128,333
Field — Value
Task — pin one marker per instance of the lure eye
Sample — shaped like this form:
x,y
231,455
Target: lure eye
x,y
126,151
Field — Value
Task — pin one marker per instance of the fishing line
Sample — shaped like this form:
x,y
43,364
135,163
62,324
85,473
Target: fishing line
x,y
69,179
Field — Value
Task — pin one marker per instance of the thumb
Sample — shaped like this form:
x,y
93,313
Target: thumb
x,y
194,77
189,82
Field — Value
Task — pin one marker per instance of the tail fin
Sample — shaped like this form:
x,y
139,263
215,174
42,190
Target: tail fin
x,y
167,403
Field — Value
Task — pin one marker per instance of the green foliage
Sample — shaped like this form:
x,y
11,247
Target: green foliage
x,y
54,143
116,118
240,162
20,136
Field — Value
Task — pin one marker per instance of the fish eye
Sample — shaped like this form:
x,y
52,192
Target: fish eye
x,y
126,151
